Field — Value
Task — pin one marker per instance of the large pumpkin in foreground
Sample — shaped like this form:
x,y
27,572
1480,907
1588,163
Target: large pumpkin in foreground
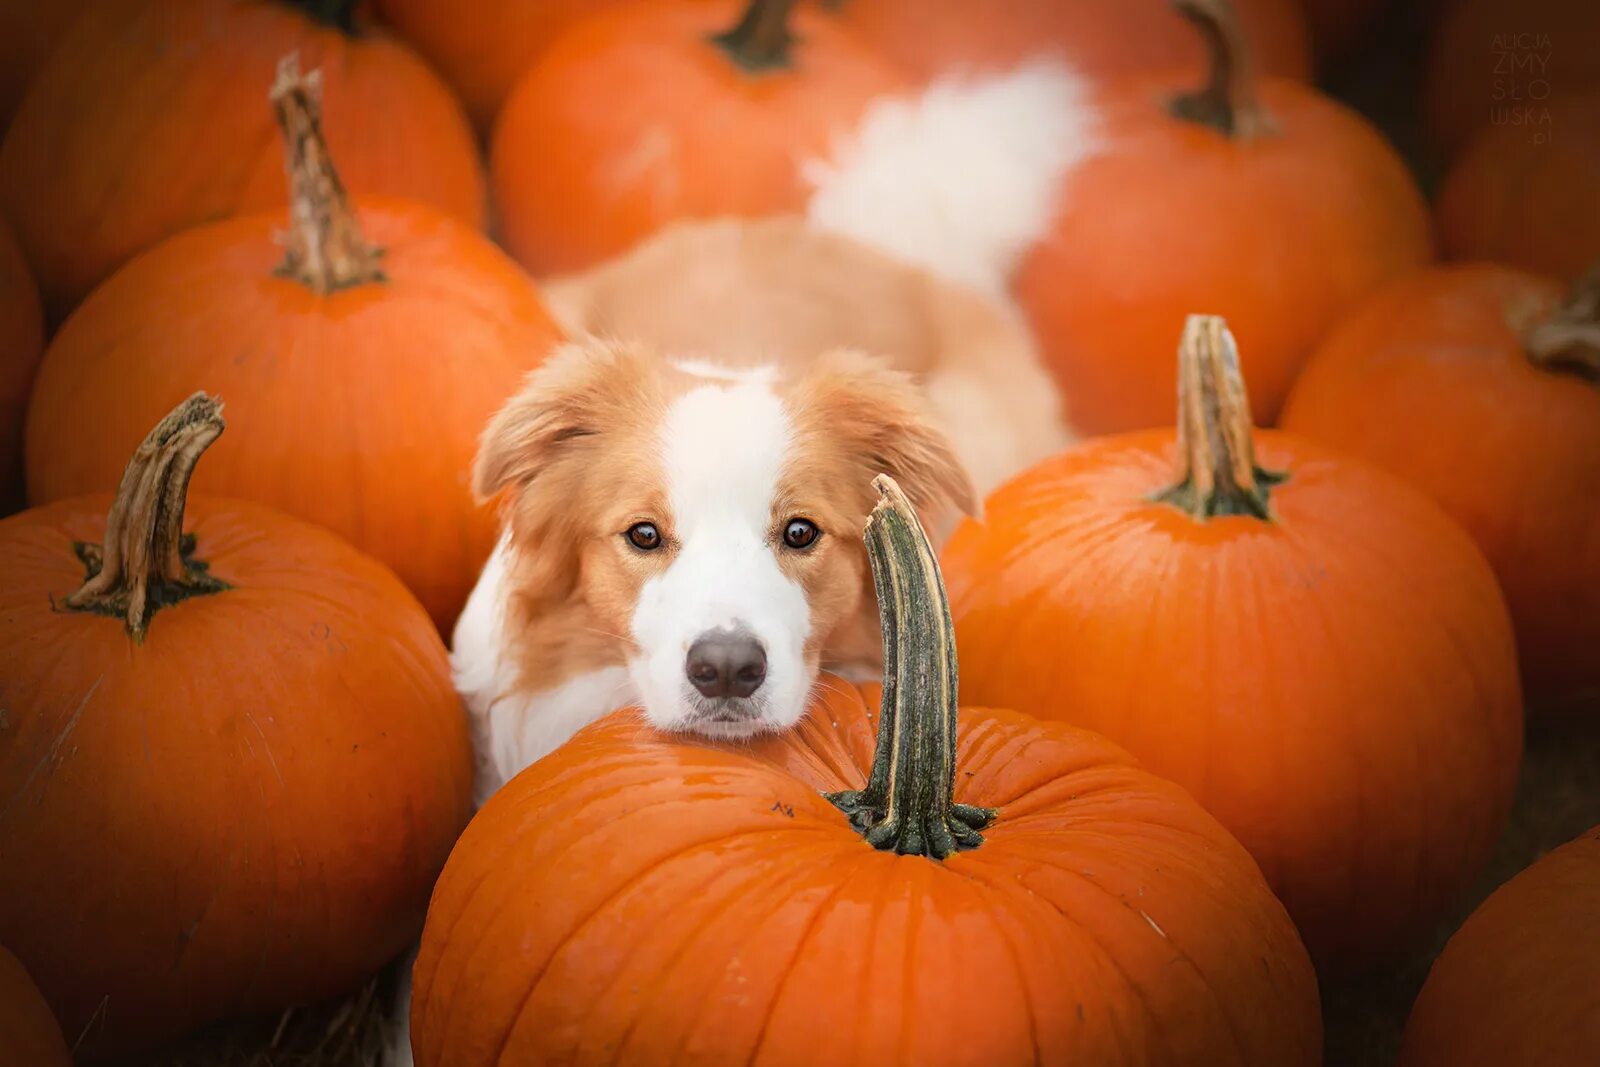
x,y
639,898
1480,386
361,364
232,760
29,1036
1517,984
1258,199
147,120
1308,645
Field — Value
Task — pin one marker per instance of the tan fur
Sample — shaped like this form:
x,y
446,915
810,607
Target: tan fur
x,y
574,459
776,290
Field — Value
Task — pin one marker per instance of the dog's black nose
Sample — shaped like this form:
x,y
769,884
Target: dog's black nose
x,y
726,663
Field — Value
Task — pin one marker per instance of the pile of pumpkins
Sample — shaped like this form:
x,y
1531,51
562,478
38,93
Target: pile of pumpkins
x,y
232,764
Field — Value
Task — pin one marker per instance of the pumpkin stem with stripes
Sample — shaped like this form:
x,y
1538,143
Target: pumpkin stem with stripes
x,y
146,563
908,804
1227,102
1217,472
324,247
761,39
1569,338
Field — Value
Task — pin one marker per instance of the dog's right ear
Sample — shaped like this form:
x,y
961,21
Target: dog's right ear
x,y
572,398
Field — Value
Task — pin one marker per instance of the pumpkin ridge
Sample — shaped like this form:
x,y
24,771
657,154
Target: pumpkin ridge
x,y
147,563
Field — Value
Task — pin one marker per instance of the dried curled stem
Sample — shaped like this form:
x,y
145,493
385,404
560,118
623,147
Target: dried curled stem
x,y
1217,472
324,247
1568,339
145,562
761,39
1227,102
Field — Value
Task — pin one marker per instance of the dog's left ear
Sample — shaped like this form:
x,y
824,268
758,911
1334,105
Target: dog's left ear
x,y
886,421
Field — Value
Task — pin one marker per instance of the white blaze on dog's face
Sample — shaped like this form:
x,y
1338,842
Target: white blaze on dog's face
x,y
702,527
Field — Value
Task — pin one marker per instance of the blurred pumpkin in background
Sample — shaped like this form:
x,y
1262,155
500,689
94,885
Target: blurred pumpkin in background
x,y
169,130
1480,386
1499,62
28,31
1257,198
483,46
366,359
1528,195
1101,39
644,898
233,761
29,1036
1308,645
1517,984
21,342
662,110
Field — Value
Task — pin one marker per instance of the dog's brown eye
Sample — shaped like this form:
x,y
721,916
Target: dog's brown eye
x,y
644,536
800,533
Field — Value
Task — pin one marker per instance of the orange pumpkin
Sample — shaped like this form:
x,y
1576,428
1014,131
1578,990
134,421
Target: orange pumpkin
x,y
1104,39
27,33
1516,984
233,761
1470,383
21,342
1262,200
1526,195
1024,893
29,1036
1499,63
363,372
484,46
170,132
1309,646
658,111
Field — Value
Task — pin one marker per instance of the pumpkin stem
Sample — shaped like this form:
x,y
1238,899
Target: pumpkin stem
x,y
324,248
1568,339
908,804
761,39
1217,472
1227,102
146,562
340,14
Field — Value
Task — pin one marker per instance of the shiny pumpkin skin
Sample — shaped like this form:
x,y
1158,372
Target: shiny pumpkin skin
x,y
21,344
1516,984
483,46
1291,674
1279,234
633,119
29,1035
1103,39
244,811
359,410
1516,199
173,131
643,898
1429,380
1489,58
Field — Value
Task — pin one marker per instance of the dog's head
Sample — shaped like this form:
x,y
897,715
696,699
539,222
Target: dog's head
x,y
704,526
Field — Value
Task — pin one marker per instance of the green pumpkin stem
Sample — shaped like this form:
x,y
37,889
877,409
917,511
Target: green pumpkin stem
x,y
146,562
1568,339
1227,102
761,40
1217,472
908,805
324,247
340,14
